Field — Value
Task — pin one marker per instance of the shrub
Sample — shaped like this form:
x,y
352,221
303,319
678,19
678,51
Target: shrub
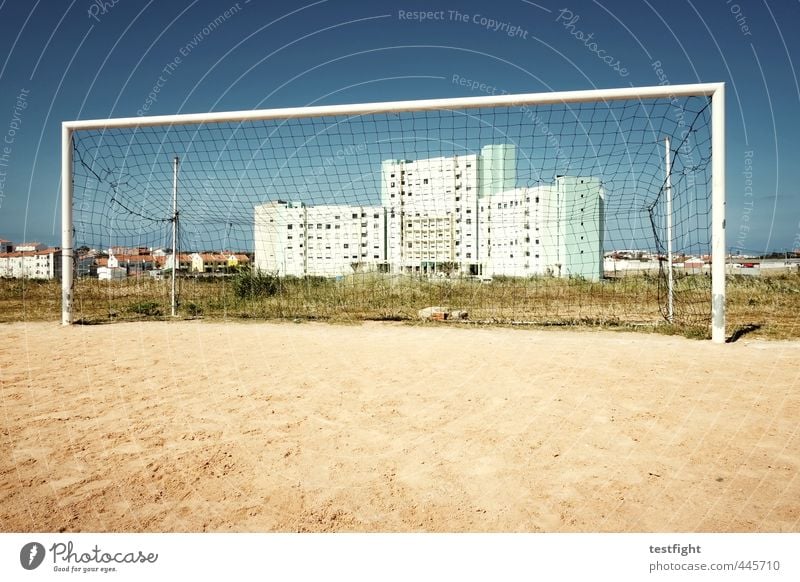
x,y
193,309
249,284
147,308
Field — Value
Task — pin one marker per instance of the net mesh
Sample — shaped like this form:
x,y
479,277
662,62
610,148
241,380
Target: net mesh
x,y
551,214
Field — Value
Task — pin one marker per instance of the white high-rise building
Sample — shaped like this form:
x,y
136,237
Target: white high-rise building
x,y
435,208
328,240
553,229
432,214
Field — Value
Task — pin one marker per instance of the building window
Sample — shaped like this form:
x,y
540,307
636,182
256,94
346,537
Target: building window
x,y
289,226
469,255
537,200
355,215
327,227
346,245
425,181
409,245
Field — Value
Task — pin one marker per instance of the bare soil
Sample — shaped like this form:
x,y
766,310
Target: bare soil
x,y
196,426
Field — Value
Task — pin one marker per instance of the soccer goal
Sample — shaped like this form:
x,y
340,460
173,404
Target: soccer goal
x,y
582,207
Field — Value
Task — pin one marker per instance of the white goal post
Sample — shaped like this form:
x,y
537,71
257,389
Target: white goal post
x,y
714,91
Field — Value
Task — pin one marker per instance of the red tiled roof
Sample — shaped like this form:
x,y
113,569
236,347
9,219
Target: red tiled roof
x,y
48,251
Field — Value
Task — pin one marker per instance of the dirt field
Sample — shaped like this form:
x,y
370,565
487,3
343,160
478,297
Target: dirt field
x,y
196,426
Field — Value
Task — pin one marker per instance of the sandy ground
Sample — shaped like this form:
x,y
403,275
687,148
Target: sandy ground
x,y
223,426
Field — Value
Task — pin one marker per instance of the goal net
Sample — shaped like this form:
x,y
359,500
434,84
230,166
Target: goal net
x,y
520,209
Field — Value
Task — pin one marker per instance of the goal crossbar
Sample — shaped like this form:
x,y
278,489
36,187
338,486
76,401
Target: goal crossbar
x,y
715,91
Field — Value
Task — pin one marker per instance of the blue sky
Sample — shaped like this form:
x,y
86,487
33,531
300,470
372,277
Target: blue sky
x,y
62,60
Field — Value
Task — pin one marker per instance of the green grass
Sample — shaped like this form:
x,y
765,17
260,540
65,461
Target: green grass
x,y
762,306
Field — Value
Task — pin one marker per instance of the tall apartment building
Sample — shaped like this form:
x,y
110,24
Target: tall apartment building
x,y
552,229
328,240
435,208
